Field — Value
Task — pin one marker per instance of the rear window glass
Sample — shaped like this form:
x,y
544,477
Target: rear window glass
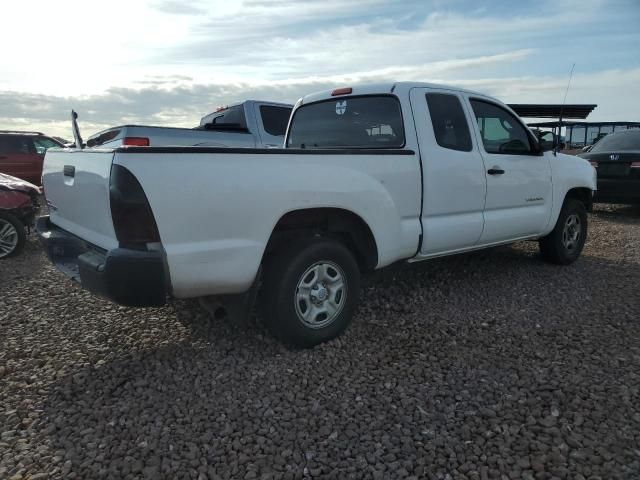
x,y
352,122
103,137
231,118
275,119
617,142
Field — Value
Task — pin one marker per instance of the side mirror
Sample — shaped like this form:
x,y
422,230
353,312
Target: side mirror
x,y
547,145
547,141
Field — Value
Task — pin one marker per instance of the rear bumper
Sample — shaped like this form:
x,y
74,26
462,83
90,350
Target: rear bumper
x,y
618,190
129,277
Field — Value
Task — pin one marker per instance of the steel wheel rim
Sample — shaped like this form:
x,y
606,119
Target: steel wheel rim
x,y
320,294
571,232
8,238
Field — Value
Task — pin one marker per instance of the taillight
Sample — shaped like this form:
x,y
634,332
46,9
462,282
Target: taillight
x,y
593,163
341,91
136,141
635,164
130,210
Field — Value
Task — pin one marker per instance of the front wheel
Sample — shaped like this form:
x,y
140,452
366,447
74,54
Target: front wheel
x,y
566,241
310,291
12,235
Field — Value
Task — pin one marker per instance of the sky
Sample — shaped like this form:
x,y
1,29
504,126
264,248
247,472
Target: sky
x,y
169,62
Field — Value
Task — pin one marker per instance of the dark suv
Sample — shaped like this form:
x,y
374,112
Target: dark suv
x,y
22,153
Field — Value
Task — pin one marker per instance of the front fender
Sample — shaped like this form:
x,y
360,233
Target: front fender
x,y
568,172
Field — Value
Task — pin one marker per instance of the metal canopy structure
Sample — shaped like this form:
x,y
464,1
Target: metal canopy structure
x,y
584,124
580,134
535,110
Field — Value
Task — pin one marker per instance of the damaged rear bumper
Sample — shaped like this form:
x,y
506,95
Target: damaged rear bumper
x,y
125,276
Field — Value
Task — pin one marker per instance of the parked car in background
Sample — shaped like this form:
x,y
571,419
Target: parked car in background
x,y
598,137
370,175
617,160
251,123
18,207
22,153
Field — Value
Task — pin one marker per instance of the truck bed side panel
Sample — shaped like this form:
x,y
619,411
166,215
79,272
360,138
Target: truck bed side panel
x,y
216,213
166,137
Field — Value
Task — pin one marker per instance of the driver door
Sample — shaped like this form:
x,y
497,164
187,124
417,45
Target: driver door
x,y
518,202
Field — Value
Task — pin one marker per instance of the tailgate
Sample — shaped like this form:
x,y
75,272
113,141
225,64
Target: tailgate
x,y
76,186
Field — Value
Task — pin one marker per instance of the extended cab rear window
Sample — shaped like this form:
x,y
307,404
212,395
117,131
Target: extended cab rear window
x,y
373,121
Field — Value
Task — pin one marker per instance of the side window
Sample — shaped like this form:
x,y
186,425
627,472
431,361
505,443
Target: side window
x,y
4,144
275,119
42,144
14,144
501,132
449,123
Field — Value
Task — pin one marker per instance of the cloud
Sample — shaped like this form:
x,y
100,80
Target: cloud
x,y
170,62
177,7
184,105
293,39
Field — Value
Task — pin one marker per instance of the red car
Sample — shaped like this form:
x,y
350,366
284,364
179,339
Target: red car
x,y
18,208
22,153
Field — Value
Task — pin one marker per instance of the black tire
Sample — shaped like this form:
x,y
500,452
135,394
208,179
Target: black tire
x,y
8,219
283,272
554,247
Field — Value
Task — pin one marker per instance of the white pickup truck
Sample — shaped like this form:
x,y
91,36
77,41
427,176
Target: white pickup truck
x,y
252,123
370,175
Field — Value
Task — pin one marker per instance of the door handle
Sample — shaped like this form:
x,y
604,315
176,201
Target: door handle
x,y
495,171
2,157
69,171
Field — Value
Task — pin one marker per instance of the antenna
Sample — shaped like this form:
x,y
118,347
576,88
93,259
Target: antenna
x,y
564,100
76,129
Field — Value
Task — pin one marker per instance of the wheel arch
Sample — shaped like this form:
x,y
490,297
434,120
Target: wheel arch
x,y
349,227
582,194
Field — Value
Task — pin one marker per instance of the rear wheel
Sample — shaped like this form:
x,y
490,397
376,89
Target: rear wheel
x,y
566,241
12,235
310,291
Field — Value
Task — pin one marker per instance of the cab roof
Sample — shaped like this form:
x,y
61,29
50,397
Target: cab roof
x,y
20,132
397,88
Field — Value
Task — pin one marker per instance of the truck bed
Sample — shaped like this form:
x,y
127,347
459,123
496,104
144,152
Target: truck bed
x,y
171,136
215,208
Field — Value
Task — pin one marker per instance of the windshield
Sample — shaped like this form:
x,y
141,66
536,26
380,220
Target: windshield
x,y
42,144
352,122
618,142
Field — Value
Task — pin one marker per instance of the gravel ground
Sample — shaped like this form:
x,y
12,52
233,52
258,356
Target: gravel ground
x,y
487,365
